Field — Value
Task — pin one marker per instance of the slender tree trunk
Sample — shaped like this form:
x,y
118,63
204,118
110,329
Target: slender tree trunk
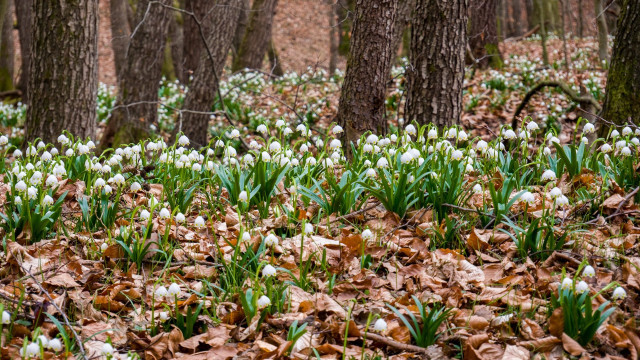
x,y
64,85
137,104
333,41
344,11
436,74
517,17
274,60
243,20
580,22
192,42
603,41
255,42
405,10
362,100
483,37
564,37
176,39
120,32
622,97
24,14
204,87
7,50
543,31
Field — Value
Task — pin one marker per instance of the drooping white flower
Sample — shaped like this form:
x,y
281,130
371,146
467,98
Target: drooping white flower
x,y
625,151
410,129
33,350
561,201
199,222
268,270
6,317
307,229
174,290
32,193
234,134
164,316
548,175
55,344
183,140
135,186
582,287
243,196
509,134
432,134
161,292
262,128
21,186
606,148
367,234
626,131
615,134
532,126
589,271
477,189
263,301
47,200
567,283
335,144
555,193
619,294
380,325
180,218
527,197
337,130
107,349
456,155
589,128
144,214
270,240
165,213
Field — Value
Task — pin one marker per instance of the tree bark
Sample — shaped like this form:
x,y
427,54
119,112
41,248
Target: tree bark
x,y
243,20
344,12
137,104
543,31
64,64
333,40
362,100
24,14
204,86
256,38
483,36
580,23
192,42
436,74
7,50
403,19
603,41
622,96
120,32
274,60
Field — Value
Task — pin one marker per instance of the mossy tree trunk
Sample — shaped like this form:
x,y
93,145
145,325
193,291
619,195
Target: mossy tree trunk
x,y
603,33
192,41
64,65
483,35
204,86
7,50
120,32
255,42
436,74
371,54
24,14
137,104
622,96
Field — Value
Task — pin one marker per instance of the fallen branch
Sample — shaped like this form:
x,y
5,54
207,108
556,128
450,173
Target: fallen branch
x,y
555,84
525,35
398,345
354,214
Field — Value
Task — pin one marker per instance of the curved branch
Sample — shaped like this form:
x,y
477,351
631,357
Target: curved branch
x,y
587,99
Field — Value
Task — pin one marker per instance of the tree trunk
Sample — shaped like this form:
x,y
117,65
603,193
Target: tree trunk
x,y
256,38
64,64
241,28
176,29
436,73
120,32
580,23
333,41
204,86
622,97
7,50
517,17
137,104
192,42
24,14
362,100
274,60
543,31
483,37
564,37
344,12
405,12
603,41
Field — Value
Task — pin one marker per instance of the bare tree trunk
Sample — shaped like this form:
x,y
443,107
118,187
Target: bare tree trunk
x,y
543,31
622,97
137,104
603,41
344,12
204,87
274,60
256,38
192,42
243,20
564,37
24,14
120,32
7,50
333,41
405,10
362,100
517,17
580,23
483,36
176,40
436,72
64,85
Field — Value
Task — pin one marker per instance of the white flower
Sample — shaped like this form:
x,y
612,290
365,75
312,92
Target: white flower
x,y
567,283
263,301
164,316
268,270
615,134
380,325
33,350
382,163
174,290
626,131
164,213
555,193
582,287
370,173
509,134
69,152
482,145
55,344
4,140
605,148
152,202
243,196
107,349
589,128
144,214
91,144
432,134
406,157
302,129
308,229
135,186
262,128
546,151
532,126
271,240
625,151
562,201
104,247
6,317
367,148
337,130
183,140
528,198
335,144
46,156
21,186
589,271
410,129
161,292
234,134
36,178
619,294
367,234
47,200
456,155
477,189
180,217
280,123
32,193
372,139
246,236
17,153
548,175
199,222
